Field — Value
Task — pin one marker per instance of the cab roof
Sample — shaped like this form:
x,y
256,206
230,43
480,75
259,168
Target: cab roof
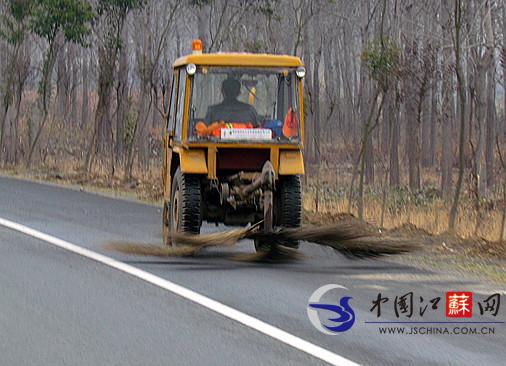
x,y
239,59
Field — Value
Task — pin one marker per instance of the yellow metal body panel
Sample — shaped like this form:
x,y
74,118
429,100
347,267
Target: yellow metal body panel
x,y
211,162
193,161
274,157
239,59
201,158
291,162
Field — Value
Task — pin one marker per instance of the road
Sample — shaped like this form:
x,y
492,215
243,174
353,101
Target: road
x,y
61,308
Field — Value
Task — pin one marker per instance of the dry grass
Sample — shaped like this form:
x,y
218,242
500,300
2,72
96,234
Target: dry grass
x,y
426,210
433,217
146,184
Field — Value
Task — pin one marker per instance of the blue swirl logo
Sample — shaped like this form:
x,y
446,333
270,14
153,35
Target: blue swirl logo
x,y
342,318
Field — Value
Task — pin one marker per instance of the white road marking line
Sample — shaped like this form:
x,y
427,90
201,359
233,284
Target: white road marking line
x,y
226,311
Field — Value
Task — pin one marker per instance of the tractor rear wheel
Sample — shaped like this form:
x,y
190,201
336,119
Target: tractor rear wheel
x,y
184,208
290,204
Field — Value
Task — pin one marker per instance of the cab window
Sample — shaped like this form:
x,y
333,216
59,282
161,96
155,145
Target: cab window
x,y
180,103
170,117
231,104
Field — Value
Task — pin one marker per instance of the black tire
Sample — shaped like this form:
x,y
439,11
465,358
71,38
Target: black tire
x,y
290,204
184,212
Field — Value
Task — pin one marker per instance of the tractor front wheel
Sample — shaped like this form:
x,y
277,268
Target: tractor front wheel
x,y
184,208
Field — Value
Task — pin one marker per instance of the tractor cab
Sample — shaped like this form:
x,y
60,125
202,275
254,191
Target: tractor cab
x,y
233,141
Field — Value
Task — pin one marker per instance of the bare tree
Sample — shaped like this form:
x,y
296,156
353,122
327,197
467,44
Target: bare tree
x,y
447,108
13,29
458,19
108,34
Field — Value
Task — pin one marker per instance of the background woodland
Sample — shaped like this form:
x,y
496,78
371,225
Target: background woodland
x,y
404,100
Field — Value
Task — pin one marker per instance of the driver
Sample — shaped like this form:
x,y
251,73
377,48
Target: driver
x,y
231,110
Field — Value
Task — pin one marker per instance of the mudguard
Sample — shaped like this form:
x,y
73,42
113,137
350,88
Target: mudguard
x,y
291,162
193,161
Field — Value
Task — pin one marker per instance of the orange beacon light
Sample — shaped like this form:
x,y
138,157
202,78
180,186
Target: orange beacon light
x,y
197,46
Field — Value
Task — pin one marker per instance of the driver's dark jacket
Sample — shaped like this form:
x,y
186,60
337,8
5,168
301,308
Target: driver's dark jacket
x,y
232,111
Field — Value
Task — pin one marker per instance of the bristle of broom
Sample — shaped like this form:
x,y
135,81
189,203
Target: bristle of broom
x,y
222,238
348,239
371,247
150,249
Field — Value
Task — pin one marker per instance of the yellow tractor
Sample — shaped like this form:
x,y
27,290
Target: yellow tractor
x,y
233,142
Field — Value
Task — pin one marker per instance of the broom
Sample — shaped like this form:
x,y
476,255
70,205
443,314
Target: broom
x,y
353,240
188,245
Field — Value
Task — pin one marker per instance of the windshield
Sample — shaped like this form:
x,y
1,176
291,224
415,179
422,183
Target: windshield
x,y
244,104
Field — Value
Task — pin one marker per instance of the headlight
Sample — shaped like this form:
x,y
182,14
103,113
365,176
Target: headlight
x,y
191,69
301,71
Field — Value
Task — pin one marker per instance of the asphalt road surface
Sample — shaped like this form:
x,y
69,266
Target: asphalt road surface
x,y
58,307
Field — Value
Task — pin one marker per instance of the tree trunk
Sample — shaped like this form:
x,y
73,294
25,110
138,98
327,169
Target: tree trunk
x,y
15,141
461,87
8,90
434,115
426,129
393,120
61,85
501,131
502,233
447,107
316,93
365,108
368,127
74,84
45,94
101,139
413,115
3,119
491,126
86,62
22,73
483,59
308,85
481,110
122,98
413,103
